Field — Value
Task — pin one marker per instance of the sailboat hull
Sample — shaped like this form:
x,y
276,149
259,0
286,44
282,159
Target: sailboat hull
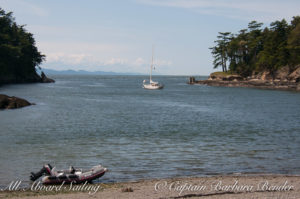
x,y
152,87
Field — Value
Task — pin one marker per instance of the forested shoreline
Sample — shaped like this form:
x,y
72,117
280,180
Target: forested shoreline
x,y
19,56
256,49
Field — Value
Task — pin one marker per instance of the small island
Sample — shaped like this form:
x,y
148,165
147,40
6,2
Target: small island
x,y
255,57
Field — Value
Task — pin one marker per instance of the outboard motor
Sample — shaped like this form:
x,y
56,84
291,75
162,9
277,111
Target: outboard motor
x,y
45,170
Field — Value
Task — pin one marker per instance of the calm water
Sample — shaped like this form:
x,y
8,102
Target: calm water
x,y
182,130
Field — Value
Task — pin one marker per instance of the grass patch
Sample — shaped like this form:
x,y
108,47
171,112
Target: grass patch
x,y
222,74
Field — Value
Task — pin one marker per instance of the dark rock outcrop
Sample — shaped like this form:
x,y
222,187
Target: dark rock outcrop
x,y
282,73
45,79
295,75
7,102
191,80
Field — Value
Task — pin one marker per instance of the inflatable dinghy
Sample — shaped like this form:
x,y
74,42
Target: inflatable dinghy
x,y
52,176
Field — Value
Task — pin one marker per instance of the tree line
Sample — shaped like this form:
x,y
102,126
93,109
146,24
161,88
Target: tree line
x,y
257,49
19,55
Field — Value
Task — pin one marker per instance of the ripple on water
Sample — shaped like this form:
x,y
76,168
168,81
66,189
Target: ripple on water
x,y
181,130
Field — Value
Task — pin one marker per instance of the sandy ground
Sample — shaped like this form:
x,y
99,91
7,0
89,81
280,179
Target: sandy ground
x,y
234,186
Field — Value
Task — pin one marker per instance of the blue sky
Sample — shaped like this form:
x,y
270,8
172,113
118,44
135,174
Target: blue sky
x,y
117,35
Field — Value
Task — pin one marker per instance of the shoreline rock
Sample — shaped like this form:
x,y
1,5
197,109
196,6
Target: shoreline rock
x,y
45,79
283,79
7,102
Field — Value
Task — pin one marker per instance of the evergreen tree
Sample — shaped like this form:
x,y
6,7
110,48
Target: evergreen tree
x,y
220,51
294,43
256,50
19,55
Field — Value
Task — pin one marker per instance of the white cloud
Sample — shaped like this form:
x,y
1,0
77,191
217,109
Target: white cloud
x,y
82,59
114,61
91,62
264,11
70,59
158,62
95,56
139,61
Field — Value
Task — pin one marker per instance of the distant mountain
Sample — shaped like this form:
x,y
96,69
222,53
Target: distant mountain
x,y
83,72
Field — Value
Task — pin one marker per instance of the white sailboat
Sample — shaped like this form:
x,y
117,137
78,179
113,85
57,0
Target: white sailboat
x,y
152,85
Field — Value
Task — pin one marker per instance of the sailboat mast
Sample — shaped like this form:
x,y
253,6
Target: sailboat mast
x,y
151,65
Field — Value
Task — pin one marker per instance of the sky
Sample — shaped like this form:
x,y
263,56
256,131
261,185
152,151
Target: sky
x,y
118,35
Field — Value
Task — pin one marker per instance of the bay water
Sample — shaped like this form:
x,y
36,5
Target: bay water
x,y
181,130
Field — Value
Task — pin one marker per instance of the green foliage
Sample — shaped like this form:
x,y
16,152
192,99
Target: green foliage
x,y
255,50
220,51
294,43
19,56
222,74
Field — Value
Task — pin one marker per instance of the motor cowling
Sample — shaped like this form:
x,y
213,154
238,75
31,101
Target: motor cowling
x,y
46,170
